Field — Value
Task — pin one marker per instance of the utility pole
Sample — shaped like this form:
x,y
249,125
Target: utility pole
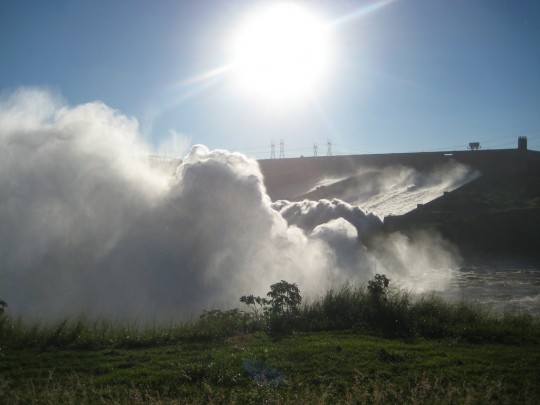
x,y
281,149
272,149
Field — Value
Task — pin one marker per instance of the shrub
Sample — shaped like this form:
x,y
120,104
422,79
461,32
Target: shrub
x,y
218,323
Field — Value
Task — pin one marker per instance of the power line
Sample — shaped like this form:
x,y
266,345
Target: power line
x,y
504,142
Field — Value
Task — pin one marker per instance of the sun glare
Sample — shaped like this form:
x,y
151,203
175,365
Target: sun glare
x,y
281,53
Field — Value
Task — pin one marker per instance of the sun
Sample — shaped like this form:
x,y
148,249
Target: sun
x,y
281,53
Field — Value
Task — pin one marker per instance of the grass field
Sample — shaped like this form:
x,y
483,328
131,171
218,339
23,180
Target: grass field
x,y
353,345
321,367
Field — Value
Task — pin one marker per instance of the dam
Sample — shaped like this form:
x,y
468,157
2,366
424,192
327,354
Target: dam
x,y
278,172
494,207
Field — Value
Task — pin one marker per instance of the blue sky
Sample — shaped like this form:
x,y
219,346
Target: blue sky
x,y
409,75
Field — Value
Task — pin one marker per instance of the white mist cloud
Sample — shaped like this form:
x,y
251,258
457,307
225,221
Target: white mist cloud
x,y
87,224
176,145
310,214
419,262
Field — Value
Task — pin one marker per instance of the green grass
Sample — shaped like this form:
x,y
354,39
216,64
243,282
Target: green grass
x,y
322,367
349,346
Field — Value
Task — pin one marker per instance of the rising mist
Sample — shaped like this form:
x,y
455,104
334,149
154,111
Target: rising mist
x,y
89,225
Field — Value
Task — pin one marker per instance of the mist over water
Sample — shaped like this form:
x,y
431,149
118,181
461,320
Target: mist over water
x,y
88,224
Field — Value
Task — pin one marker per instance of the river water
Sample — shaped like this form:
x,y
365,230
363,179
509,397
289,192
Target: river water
x,y
501,284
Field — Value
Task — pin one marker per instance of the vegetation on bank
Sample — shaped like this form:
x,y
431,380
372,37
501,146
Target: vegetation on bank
x,y
373,344
377,309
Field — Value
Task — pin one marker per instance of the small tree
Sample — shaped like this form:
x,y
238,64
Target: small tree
x,y
3,305
284,298
279,310
378,287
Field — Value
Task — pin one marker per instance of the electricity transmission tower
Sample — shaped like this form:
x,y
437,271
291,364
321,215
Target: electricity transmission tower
x,y
281,149
314,148
272,149
329,151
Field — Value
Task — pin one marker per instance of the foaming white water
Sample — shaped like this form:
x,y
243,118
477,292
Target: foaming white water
x,y
394,190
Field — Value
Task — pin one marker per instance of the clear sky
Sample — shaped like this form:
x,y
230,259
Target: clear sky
x,y
403,75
